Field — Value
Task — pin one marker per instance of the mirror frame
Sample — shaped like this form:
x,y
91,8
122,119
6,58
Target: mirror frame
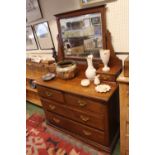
x,y
75,13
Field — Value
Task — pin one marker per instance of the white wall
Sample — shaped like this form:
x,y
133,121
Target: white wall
x,y
117,22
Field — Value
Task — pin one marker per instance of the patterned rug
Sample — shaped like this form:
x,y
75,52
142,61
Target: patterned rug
x,y
42,140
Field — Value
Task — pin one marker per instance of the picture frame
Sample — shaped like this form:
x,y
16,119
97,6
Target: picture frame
x,y
33,10
44,36
31,43
90,3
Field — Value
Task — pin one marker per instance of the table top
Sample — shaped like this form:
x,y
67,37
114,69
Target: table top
x,y
73,86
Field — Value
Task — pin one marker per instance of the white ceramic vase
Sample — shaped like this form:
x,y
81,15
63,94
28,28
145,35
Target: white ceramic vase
x,y
105,56
90,71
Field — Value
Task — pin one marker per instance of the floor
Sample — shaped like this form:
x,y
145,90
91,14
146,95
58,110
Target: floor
x,y
31,109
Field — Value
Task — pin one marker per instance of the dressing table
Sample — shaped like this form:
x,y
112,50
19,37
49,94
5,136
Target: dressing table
x,y
79,111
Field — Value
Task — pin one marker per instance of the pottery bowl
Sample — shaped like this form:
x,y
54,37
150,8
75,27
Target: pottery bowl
x,y
66,69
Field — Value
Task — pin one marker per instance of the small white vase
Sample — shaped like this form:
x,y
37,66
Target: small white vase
x,y
97,80
105,56
90,71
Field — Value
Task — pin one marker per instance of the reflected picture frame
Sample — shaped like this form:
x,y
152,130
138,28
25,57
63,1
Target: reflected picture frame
x,y
33,11
31,43
44,36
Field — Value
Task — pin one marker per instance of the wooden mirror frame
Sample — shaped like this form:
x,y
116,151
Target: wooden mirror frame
x,y
106,36
76,13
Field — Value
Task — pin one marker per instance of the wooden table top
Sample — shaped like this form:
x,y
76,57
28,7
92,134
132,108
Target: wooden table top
x,y
73,86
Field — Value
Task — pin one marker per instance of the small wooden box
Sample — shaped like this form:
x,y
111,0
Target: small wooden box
x,y
126,67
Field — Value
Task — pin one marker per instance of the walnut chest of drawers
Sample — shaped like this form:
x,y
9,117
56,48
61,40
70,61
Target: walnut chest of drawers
x,y
82,112
124,113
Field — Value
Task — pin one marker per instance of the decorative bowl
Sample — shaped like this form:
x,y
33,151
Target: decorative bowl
x,y
66,69
85,82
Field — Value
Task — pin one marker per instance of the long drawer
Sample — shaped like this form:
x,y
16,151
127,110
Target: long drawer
x,y
83,103
96,121
77,128
50,93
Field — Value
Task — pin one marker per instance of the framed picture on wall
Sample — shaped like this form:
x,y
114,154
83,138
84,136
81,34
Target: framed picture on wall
x,y
89,3
44,36
33,11
30,39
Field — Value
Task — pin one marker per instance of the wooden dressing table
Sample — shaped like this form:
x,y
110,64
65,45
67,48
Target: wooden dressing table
x,y
80,111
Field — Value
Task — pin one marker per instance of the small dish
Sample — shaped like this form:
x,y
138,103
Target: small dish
x,y
85,82
102,88
48,76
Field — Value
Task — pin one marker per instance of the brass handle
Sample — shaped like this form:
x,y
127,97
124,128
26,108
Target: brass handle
x,y
56,120
52,107
84,118
48,93
87,133
82,103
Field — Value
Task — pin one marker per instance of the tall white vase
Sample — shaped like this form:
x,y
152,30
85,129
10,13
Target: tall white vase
x,y
90,71
105,56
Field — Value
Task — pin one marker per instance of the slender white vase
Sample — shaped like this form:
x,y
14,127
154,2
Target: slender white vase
x,y
90,71
105,56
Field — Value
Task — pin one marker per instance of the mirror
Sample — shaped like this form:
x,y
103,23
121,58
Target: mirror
x,y
82,35
82,32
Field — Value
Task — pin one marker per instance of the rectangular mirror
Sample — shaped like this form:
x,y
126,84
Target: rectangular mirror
x,y
82,35
82,32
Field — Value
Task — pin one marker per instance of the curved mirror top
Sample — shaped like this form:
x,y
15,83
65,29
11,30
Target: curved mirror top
x,y
82,35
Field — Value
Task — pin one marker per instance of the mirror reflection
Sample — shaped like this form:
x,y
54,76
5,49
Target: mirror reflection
x,y
82,35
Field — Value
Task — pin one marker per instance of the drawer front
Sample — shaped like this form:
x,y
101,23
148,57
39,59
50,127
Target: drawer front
x,y
50,93
77,128
85,104
96,121
105,77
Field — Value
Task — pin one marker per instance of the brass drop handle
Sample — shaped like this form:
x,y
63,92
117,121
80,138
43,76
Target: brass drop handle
x,y
56,120
48,93
52,107
84,118
87,133
82,103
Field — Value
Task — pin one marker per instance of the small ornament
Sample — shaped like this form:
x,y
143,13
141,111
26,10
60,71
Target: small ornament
x,y
97,80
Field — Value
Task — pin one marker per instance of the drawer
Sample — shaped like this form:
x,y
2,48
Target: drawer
x,y
104,77
50,93
77,128
85,104
96,121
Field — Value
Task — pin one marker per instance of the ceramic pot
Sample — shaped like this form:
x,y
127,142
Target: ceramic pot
x,y
90,71
105,56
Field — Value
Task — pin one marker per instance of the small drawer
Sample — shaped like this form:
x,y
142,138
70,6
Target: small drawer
x,y
50,93
104,77
96,121
77,128
83,103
